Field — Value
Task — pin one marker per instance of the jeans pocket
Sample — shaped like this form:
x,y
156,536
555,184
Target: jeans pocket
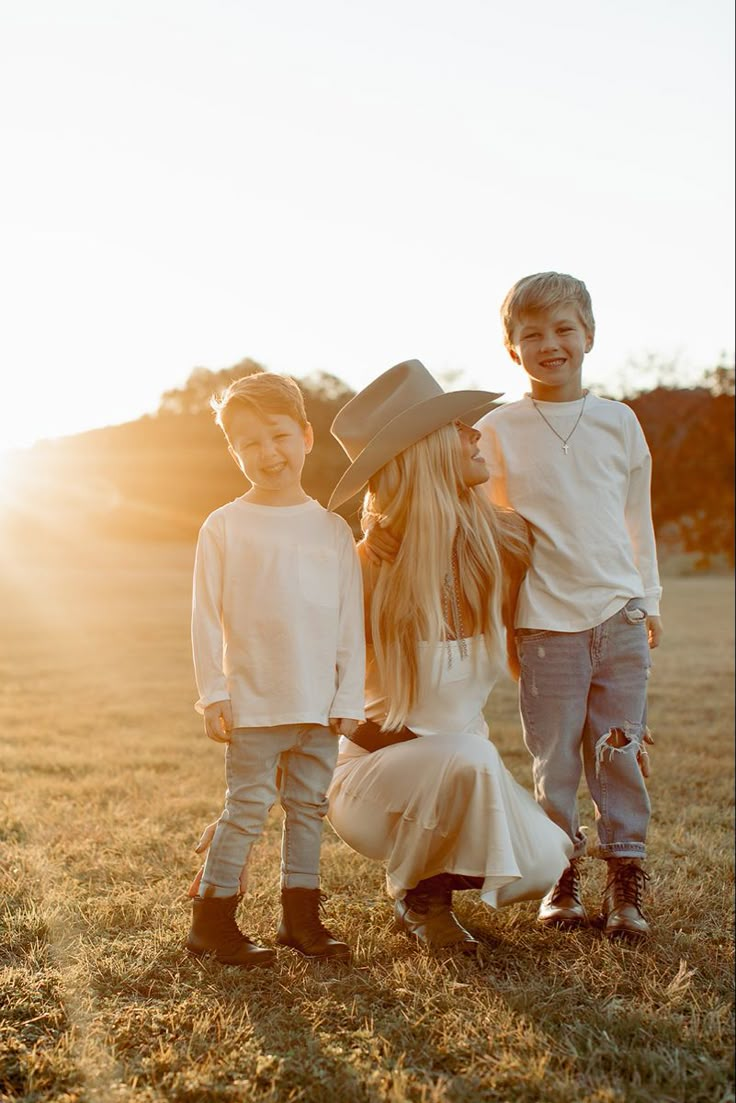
x,y
531,635
634,612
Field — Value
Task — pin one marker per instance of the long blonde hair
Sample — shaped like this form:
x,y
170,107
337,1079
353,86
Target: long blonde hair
x,y
422,497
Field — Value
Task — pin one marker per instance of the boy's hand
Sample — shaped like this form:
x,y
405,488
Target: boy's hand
x,y
381,546
643,756
340,726
654,631
218,721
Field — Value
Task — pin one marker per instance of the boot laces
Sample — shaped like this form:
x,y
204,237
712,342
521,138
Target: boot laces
x,y
628,883
568,884
312,919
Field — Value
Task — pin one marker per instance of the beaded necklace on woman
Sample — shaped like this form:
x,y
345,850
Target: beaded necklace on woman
x,y
454,627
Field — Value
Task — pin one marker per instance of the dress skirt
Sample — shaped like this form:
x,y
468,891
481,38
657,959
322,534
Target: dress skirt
x,y
446,804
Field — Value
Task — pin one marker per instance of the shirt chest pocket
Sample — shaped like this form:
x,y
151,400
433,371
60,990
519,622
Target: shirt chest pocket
x,y
317,570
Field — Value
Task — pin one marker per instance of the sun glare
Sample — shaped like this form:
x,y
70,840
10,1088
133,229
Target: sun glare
x,y
13,484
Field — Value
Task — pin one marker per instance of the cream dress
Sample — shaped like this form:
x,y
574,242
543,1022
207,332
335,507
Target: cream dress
x,y
445,803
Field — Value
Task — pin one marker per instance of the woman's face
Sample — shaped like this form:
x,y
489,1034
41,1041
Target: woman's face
x,y
474,467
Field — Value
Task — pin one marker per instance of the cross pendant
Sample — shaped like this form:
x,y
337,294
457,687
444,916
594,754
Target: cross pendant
x,y
565,449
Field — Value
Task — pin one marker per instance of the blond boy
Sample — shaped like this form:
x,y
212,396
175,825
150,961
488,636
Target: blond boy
x,y
577,468
278,647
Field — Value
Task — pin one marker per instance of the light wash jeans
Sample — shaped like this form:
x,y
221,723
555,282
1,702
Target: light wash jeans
x,y
587,690
304,756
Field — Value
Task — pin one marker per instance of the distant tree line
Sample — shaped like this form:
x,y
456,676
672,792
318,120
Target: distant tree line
x,y
691,438
159,477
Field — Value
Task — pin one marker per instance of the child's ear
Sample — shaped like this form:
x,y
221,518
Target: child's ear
x,y
515,356
308,438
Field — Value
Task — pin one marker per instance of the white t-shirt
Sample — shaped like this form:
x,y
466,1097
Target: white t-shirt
x,y
589,510
277,615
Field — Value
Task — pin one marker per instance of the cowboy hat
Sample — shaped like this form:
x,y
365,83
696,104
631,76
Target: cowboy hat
x,y
396,410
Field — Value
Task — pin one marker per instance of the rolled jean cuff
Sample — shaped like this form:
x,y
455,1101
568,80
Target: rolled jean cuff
x,y
300,881
622,850
208,889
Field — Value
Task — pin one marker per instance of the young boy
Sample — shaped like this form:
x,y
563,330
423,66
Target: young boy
x,y
577,469
279,658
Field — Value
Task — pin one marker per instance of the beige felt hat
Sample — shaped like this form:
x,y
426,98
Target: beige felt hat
x,y
399,408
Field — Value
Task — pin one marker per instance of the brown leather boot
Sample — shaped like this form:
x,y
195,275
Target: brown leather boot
x,y
215,931
426,914
303,930
562,906
621,914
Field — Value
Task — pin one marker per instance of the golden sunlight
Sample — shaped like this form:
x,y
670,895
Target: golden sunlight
x,y
9,462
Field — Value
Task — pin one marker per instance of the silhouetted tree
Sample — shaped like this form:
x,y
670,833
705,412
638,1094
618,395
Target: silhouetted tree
x,y
194,396
691,437
158,477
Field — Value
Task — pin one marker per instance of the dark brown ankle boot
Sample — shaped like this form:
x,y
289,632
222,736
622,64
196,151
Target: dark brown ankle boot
x,y
215,931
303,930
621,913
426,914
562,906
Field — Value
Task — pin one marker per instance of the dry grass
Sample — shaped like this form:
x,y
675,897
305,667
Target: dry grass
x,y
106,783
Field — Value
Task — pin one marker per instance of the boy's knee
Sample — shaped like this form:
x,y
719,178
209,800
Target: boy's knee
x,y
307,807
618,740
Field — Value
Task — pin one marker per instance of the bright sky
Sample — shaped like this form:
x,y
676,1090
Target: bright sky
x,y
336,186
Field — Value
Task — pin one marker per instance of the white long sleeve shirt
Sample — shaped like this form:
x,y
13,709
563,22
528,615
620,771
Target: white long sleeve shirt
x,y
589,510
277,615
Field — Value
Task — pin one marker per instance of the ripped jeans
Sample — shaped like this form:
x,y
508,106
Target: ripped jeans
x,y
587,691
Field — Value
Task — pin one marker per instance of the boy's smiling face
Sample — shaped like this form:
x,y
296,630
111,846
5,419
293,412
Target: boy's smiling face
x,y
270,450
550,345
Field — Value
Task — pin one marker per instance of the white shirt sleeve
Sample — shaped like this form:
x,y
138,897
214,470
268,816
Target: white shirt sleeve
x,y
207,639
490,449
638,514
349,696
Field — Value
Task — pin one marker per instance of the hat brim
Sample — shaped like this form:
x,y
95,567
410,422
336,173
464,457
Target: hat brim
x,y
406,429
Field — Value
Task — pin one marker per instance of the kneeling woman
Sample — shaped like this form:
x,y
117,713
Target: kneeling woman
x,y
420,787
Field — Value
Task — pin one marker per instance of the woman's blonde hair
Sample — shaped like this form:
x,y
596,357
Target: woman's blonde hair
x,y
422,497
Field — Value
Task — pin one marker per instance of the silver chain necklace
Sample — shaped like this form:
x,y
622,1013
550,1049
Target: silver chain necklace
x,y
564,440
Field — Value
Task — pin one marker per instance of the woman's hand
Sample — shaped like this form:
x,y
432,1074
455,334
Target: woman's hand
x,y
341,726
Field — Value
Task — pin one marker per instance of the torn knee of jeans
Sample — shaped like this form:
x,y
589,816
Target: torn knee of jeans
x,y
623,740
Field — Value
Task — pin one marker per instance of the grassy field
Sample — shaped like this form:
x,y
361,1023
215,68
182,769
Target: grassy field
x,y
106,783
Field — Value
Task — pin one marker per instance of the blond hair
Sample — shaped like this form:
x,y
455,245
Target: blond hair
x,y
266,393
541,292
422,497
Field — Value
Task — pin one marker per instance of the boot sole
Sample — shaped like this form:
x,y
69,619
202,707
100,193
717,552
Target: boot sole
x,y
469,948
564,924
265,959
342,955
